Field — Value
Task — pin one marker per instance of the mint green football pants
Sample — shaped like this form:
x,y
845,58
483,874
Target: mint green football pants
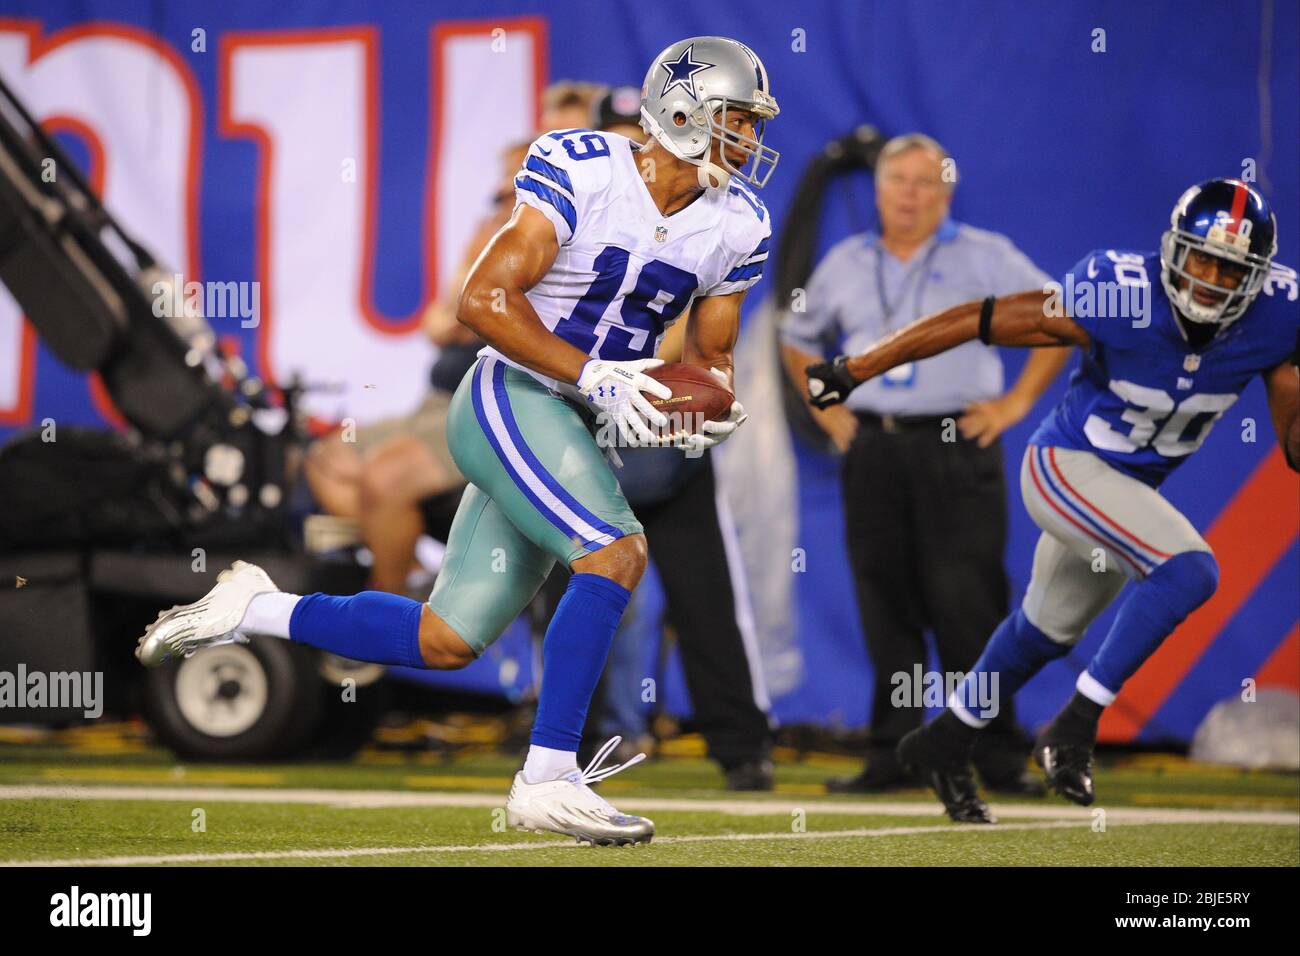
x,y
540,491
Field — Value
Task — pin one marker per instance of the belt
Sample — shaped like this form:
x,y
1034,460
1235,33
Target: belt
x,y
893,424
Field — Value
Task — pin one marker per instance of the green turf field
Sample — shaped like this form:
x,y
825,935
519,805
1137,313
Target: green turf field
x,y
139,807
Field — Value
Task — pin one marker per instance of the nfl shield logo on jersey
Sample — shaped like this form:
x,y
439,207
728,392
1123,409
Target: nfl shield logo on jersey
x,y
1191,363
661,233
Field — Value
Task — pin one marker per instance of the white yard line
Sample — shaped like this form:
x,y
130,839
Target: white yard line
x,y
350,853
781,805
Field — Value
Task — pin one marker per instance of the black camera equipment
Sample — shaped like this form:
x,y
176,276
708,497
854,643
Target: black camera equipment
x,y
209,444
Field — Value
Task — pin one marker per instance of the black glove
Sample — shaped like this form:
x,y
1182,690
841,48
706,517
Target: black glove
x,y
829,383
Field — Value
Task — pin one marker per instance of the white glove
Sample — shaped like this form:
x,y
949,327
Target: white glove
x,y
615,389
715,433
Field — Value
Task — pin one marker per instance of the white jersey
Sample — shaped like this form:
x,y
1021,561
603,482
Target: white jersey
x,y
625,272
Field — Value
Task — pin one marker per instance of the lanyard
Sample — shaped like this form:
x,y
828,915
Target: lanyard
x,y
888,310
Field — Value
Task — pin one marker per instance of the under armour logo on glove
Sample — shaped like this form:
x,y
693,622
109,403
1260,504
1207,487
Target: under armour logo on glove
x,y
829,383
626,408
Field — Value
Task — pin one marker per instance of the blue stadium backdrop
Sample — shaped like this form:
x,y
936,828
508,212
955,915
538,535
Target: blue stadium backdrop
x,y
335,152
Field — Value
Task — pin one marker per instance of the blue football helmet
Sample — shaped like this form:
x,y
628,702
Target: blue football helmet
x,y
1230,220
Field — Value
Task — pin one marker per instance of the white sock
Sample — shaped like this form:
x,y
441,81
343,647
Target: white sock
x,y
269,614
544,764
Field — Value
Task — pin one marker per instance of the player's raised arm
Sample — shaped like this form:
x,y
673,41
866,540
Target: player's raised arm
x,y
1283,385
1031,318
493,303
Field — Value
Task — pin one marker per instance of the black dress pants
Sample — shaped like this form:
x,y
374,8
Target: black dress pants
x,y
927,527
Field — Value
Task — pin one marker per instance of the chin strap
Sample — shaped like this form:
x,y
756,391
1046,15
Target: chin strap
x,y
708,174
712,176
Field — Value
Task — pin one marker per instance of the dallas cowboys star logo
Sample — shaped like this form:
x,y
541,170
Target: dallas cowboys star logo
x,y
681,72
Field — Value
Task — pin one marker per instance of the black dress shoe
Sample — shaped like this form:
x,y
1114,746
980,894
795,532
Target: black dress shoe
x,y
756,775
946,767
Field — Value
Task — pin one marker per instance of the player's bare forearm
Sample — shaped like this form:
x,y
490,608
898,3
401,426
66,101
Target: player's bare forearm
x,y
1021,319
494,306
711,331
1283,387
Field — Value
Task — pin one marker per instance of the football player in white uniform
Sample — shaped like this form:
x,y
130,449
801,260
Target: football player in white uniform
x,y
608,245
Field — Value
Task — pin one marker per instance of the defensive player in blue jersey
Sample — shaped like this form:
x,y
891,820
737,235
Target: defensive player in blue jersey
x,y
1170,340
608,245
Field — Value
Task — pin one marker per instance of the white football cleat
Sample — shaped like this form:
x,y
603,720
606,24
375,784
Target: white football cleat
x,y
571,807
209,621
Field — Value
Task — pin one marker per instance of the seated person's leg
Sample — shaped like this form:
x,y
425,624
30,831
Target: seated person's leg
x,y
334,463
333,469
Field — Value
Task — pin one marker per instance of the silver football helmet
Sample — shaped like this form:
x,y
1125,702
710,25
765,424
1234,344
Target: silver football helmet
x,y
689,91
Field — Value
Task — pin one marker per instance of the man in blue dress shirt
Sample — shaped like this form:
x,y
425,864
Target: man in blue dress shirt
x,y
924,491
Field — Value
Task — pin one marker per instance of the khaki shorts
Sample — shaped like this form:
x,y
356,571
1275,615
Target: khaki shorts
x,y
428,423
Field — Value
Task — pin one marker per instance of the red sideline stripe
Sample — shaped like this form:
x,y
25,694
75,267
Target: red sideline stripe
x,y
1051,455
1042,493
1249,537
1282,669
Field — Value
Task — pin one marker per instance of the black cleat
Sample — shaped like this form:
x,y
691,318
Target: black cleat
x,y
945,765
1064,749
1069,769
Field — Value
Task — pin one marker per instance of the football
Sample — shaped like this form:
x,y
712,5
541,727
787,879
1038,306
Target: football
x,y
698,396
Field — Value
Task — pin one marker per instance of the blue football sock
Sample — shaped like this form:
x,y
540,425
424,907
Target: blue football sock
x,y
1153,608
371,626
573,655
1016,652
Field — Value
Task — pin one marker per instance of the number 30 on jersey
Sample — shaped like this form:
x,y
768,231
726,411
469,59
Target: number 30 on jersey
x,y
1173,431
